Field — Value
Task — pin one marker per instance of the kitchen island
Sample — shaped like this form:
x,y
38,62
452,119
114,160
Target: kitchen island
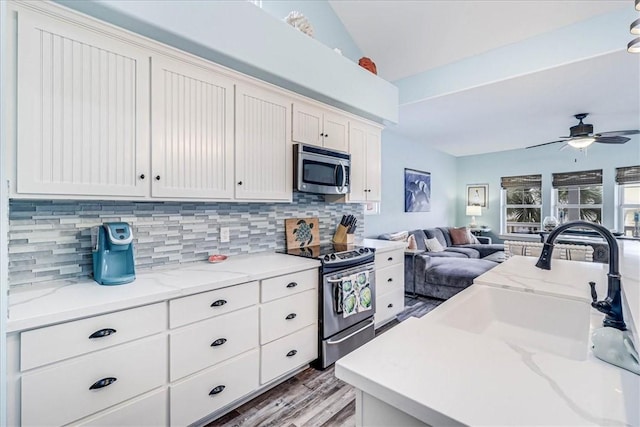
x,y
447,369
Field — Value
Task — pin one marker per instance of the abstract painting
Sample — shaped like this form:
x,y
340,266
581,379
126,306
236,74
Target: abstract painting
x,y
417,191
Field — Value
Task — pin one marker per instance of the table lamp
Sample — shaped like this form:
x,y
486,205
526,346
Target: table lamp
x,y
472,211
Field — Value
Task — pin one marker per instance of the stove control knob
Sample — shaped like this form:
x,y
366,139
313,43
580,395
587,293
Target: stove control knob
x,y
326,257
361,250
333,256
366,249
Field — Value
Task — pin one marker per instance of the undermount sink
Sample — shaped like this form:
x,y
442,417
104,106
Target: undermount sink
x,y
542,322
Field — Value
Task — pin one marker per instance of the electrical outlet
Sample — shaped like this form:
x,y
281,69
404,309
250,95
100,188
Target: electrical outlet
x,y
224,234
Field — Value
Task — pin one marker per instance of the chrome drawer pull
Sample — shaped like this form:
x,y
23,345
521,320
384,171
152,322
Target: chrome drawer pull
x,y
102,333
218,342
291,316
292,353
218,303
216,390
292,285
103,383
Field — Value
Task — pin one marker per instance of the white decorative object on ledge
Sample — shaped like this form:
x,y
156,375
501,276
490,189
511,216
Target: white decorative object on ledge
x,y
300,22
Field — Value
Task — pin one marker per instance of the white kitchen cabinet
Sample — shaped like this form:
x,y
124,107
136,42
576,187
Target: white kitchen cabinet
x,y
82,111
148,411
366,162
286,315
389,285
321,127
288,353
192,130
263,164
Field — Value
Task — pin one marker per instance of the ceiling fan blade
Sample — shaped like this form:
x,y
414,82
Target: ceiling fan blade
x,y
611,139
563,147
546,143
618,133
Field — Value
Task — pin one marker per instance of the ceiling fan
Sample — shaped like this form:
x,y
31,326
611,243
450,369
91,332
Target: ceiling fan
x,y
581,135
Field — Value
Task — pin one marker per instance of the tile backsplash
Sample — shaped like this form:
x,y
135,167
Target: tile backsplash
x,y
51,240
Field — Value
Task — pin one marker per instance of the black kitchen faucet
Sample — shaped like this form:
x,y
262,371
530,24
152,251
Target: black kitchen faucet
x,y
612,304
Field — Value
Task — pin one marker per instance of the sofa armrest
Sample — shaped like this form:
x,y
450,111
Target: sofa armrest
x,y
484,240
415,267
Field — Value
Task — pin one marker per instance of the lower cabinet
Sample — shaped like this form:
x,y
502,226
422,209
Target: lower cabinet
x,y
149,411
389,285
287,353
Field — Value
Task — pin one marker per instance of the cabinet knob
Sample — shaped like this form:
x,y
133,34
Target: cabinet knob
x,y
322,135
218,342
218,303
157,177
239,182
390,279
216,390
142,176
102,333
390,306
326,135
292,353
291,316
292,285
103,383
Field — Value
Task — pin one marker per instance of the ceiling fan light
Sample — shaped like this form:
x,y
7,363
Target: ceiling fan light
x,y
581,142
635,27
638,5
634,46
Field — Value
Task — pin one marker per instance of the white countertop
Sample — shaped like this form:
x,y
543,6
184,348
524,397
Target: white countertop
x,y
37,306
440,374
383,245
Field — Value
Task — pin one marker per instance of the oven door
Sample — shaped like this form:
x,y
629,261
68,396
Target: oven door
x,y
333,319
345,342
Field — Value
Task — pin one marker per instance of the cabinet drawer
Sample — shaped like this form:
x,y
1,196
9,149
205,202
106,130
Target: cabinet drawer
x,y
286,315
53,343
388,306
388,258
390,279
149,411
213,303
203,394
288,353
211,341
62,393
289,284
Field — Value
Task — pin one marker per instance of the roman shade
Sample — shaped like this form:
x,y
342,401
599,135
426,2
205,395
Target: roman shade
x,y
521,181
628,175
592,177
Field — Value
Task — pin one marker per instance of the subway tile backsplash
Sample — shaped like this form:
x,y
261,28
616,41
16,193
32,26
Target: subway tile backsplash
x,y
51,240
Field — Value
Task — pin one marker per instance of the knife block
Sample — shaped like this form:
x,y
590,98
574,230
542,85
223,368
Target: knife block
x,y
341,236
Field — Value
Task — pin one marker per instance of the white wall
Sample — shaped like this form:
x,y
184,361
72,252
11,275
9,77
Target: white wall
x,y
488,168
4,205
399,153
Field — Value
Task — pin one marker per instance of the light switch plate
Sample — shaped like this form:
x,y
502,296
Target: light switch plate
x,y
224,234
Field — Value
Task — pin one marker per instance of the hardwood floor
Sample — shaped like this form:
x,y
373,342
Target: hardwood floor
x,y
312,398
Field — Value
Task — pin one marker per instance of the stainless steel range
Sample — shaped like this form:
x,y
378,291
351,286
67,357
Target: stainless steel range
x,y
347,298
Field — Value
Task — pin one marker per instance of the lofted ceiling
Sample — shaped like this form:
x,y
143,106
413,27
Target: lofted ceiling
x,y
407,38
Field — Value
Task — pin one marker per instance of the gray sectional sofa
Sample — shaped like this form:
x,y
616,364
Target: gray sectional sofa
x,y
445,273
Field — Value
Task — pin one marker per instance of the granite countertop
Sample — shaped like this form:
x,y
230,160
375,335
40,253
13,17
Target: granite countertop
x,y
37,306
444,375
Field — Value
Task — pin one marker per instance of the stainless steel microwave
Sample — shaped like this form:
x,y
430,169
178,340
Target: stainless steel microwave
x,y
321,171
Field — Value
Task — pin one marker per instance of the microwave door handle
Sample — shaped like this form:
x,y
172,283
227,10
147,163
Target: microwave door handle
x,y
344,176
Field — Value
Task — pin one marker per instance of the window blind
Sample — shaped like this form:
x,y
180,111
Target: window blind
x,y
592,177
628,175
521,181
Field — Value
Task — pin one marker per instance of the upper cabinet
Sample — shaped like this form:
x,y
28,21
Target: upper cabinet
x,y
321,127
365,149
192,130
82,111
263,150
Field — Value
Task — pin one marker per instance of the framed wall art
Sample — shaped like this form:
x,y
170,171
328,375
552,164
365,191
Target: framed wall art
x,y
417,191
478,195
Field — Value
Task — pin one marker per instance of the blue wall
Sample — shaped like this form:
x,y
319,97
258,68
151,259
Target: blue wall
x,y
488,168
398,153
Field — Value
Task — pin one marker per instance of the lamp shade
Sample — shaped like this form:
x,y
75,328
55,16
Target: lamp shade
x,y
474,211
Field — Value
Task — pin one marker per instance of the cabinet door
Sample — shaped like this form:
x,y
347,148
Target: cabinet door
x,y
264,154
307,124
336,131
358,151
83,115
192,125
374,164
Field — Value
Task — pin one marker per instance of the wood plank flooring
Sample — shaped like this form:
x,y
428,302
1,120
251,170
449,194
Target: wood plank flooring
x,y
312,398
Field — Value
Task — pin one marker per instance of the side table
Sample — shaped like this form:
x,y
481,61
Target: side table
x,y
413,253
477,231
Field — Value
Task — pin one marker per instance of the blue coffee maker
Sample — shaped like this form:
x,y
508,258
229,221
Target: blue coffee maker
x,y
113,254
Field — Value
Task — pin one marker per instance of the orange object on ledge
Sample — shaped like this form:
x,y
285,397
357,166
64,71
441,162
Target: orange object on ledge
x,y
368,64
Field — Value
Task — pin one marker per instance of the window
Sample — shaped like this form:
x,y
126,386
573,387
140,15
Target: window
x,y
628,209
522,204
578,196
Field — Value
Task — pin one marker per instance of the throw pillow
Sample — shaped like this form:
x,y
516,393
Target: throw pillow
x,y
400,236
460,236
433,245
411,242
